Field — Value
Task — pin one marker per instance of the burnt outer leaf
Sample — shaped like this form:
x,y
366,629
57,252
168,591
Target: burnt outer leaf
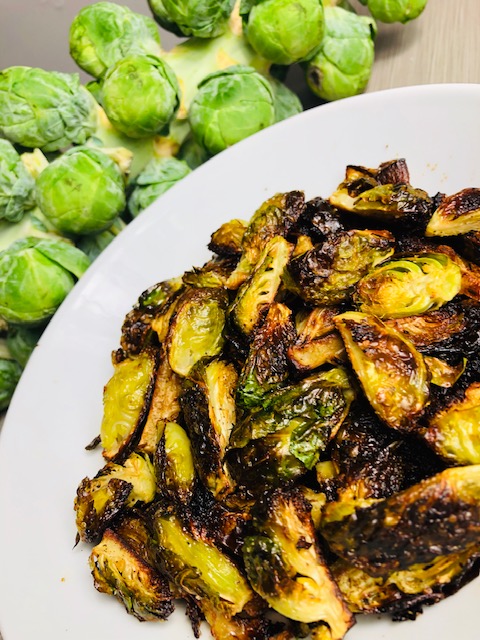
x,y
437,516
456,214
393,172
318,220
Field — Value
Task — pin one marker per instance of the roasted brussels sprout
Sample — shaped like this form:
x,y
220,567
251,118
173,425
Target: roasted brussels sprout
x,y
318,343
68,191
267,365
442,373
126,400
391,371
36,274
205,19
45,109
231,105
196,331
174,464
103,33
16,184
409,286
344,63
436,517
395,10
123,566
456,214
226,241
283,32
114,488
285,566
328,273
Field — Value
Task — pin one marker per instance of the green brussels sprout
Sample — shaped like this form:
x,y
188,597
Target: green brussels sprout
x,y
21,341
81,192
344,63
409,286
285,566
391,371
231,105
103,33
395,10
36,274
192,152
159,175
140,95
203,19
281,31
93,245
10,372
16,184
286,102
45,109
456,214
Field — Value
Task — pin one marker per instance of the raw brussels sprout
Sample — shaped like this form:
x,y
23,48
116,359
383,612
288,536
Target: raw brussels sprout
x,y
409,286
344,63
21,341
456,214
16,184
159,175
328,273
192,152
36,274
10,372
395,10
391,371
285,566
123,565
174,464
281,31
203,19
140,95
93,245
45,109
81,192
231,105
410,527
286,102
103,33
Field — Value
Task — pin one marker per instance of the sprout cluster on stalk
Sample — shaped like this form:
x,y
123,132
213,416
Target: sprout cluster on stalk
x,y
79,161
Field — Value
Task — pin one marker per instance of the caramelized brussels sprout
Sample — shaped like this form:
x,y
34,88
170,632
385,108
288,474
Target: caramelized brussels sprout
x,y
198,569
126,401
114,488
318,343
319,220
267,365
285,566
443,374
453,431
210,414
227,240
327,274
456,214
120,568
391,371
174,463
259,291
215,273
409,286
196,330
436,517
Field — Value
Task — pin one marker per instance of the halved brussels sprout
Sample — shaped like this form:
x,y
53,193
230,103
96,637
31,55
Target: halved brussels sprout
x,y
391,371
226,241
453,431
436,517
126,400
120,568
409,286
444,374
313,354
285,566
327,274
456,214
259,291
267,364
215,273
174,463
196,330
114,488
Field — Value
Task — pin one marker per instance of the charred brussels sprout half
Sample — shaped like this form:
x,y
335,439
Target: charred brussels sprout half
x,y
16,184
409,286
285,566
140,95
281,31
456,214
45,109
174,463
231,105
392,372
103,33
204,19
81,192
226,241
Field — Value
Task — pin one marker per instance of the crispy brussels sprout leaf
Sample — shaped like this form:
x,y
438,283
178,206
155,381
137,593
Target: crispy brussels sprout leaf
x,y
453,432
285,565
409,286
438,516
126,400
443,374
327,274
315,353
456,214
196,330
174,463
391,371
198,569
114,488
119,569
